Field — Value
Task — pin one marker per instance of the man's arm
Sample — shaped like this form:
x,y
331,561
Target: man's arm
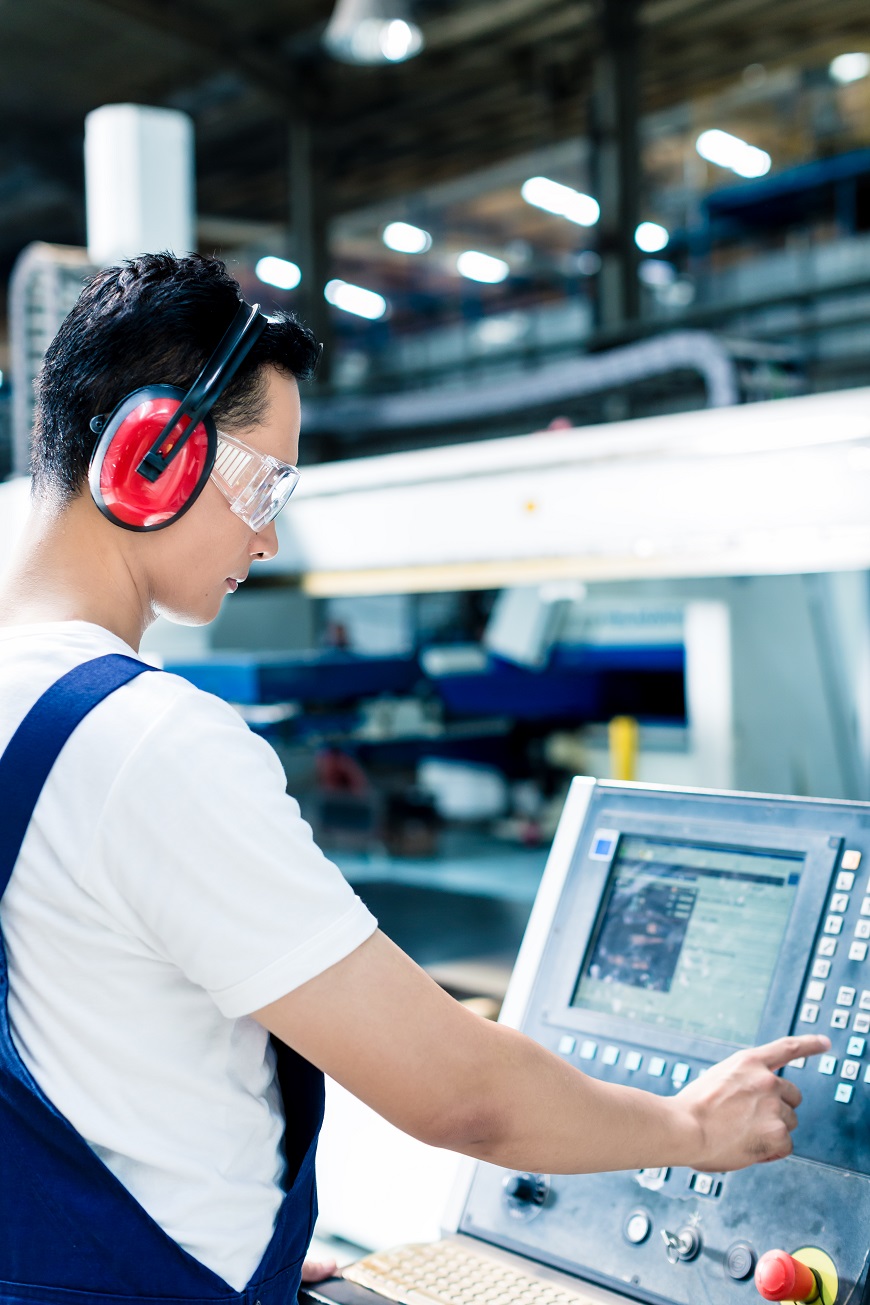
x,y
378,1025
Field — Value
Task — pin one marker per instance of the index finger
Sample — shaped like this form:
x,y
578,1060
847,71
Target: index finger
x,y
778,1053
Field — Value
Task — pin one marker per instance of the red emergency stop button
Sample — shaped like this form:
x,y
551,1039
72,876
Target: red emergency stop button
x,y
779,1276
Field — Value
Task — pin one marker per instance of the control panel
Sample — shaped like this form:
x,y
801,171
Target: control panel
x,y
673,927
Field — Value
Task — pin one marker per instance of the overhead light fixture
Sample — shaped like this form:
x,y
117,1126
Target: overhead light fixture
x,y
650,237
564,201
728,151
355,299
406,239
279,272
482,267
372,32
849,67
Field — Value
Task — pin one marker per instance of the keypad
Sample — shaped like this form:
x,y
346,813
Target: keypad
x,y
827,1064
834,923
828,946
845,881
822,968
840,902
839,1019
857,952
843,1093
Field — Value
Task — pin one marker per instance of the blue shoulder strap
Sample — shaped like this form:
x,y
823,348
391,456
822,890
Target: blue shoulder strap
x,y
37,743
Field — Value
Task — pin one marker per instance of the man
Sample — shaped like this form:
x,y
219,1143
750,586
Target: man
x,y
168,909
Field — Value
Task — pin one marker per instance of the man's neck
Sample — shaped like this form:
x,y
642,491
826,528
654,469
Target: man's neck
x,y
65,569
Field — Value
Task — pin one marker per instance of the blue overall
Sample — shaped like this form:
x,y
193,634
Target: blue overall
x,y
70,1232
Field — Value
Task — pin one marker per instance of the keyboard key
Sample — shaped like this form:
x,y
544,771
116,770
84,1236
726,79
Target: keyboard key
x,y
855,1047
821,969
815,991
839,1019
834,923
862,930
864,1002
846,996
851,1069
827,946
809,1013
861,1023
845,881
857,952
843,1093
840,902
827,1064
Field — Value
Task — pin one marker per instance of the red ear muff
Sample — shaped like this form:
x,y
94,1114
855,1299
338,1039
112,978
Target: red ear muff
x,y
120,490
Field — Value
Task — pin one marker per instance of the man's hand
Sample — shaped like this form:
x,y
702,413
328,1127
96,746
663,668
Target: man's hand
x,y
742,1111
317,1270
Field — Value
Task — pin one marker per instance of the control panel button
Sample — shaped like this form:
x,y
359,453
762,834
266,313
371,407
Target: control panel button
x,y
861,1023
566,1045
846,996
702,1184
637,1227
610,1055
865,906
740,1261
588,1049
779,1276
862,929
815,991
657,1066
840,1019
827,946
827,1064
633,1061
840,902
834,923
855,1047
858,951
845,881
851,1069
822,968
809,1013
843,1093
864,1001
851,859
680,1074
798,1062
867,1074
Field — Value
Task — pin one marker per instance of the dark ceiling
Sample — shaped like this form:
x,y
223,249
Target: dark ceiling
x,y
497,77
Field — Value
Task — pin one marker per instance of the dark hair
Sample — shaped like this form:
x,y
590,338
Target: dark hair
x,y
153,320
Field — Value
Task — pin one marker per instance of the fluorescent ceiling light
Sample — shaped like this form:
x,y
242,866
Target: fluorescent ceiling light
x,y
849,67
355,299
728,151
372,32
278,271
564,201
407,239
481,267
651,237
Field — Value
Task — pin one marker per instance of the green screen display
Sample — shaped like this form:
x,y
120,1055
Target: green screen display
x,y
688,936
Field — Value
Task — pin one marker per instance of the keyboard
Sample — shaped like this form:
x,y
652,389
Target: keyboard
x,y
445,1273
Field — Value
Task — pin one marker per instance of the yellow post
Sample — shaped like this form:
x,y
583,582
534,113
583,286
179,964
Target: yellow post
x,y
623,734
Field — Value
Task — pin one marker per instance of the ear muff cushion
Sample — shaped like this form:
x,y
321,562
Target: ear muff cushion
x,y
125,496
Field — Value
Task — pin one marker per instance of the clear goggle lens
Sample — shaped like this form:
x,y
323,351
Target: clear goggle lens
x,y
256,485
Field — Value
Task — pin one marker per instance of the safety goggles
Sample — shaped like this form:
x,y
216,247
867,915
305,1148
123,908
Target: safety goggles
x,y
256,485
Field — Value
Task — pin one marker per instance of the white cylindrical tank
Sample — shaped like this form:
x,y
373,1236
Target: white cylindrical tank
x,y
139,182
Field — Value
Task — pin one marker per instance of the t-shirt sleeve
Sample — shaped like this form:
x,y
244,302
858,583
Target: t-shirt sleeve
x,y
204,857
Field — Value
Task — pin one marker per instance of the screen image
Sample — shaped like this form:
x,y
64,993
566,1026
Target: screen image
x,y
688,936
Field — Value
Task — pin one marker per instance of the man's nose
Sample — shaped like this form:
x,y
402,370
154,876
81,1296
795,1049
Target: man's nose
x,y
265,542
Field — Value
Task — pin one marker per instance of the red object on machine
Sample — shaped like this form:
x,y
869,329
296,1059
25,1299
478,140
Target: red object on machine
x,y
779,1276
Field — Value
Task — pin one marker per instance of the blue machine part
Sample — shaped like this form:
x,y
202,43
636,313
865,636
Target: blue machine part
x,y
316,677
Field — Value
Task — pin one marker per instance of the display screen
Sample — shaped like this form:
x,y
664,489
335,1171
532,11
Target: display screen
x,y
688,936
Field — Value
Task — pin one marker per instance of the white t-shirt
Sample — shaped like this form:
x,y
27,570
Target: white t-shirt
x,y
167,887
